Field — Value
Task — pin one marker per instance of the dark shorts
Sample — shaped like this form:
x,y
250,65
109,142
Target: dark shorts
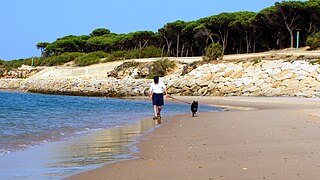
x,y
157,99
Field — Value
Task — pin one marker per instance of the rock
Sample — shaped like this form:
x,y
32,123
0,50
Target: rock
x,y
203,91
238,82
227,74
212,85
247,80
205,80
271,92
307,67
285,74
246,65
265,85
308,81
228,89
190,82
302,73
267,78
238,74
144,71
290,83
259,82
300,77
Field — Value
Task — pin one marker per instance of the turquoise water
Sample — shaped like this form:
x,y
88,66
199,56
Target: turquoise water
x,y
51,137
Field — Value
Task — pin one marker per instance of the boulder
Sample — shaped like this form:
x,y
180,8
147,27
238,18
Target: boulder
x,y
271,92
228,89
247,80
144,71
284,74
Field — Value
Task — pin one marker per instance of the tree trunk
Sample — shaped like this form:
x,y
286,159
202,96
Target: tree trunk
x,y
290,23
187,53
240,46
248,42
291,36
211,38
162,52
182,50
140,49
224,39
178,39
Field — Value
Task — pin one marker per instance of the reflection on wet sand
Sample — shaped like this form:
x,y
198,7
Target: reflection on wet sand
x,y
157,122
99,147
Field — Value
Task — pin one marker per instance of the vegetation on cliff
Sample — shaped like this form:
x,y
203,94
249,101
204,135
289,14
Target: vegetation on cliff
x,y
149,70
314,41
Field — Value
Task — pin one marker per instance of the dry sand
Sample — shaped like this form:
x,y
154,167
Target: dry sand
x,y
257,138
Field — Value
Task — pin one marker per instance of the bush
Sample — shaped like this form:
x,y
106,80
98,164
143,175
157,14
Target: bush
x,y
160,67
315,62
14,63
82,59
133,54
54,60
213,52
36,61
60,59
117,55
90,58
147,52
151,51
72,55
100,54
127,65
313,41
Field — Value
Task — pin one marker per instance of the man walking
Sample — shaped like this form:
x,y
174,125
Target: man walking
x,y
156,96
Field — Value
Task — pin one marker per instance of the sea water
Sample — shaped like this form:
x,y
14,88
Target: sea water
x,y
52,137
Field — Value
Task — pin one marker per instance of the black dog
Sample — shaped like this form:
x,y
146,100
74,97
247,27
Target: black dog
x,y
194,107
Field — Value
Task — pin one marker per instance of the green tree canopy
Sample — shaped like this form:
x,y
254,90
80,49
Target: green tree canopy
x,y
100,32
274,27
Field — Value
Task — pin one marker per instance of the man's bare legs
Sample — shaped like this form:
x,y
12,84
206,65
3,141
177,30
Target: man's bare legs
x,y
157,110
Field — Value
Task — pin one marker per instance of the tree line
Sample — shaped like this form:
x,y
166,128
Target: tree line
x,y
274,27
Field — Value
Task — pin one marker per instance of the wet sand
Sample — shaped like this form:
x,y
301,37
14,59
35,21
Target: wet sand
x,y
256,138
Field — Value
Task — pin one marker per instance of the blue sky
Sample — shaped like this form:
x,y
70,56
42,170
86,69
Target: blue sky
x,y
24,23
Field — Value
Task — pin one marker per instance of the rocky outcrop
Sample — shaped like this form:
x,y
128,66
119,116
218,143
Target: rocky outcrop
x,y
88,86
10,84
264,78
22,72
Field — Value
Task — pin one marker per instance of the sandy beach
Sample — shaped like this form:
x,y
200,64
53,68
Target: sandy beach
x,y
255,138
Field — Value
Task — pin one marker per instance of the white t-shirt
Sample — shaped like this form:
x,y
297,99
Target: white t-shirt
x,y
157,88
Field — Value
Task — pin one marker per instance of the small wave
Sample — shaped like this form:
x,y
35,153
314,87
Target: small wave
x,y
23,145
46,141
87,130
3,152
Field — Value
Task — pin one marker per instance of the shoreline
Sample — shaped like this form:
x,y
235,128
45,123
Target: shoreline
x,y
86,150
83,151
58,155
274,140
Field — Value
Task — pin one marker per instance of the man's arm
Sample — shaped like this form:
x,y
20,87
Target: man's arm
x,y
167,95
166,91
